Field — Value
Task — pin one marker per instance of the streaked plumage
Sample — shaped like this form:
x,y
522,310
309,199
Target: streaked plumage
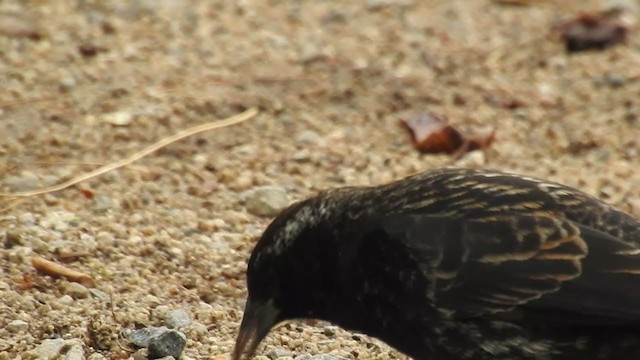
x,y
455,264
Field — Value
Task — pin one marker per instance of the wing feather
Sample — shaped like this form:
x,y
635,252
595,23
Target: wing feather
x,y
536,261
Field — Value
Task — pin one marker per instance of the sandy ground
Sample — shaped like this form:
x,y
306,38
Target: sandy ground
x,y
331,80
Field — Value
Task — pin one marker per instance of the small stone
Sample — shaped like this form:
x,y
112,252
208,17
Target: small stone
x,y
301,156
307,137
24,182
118,118
318,357
379,4
279,353
266,200
75,353
17,326
75,290
96,356
12,239
141,354
100,295
473,159
612,80
47,350
170,343
28,219
103,203
177,318
142,337
65,300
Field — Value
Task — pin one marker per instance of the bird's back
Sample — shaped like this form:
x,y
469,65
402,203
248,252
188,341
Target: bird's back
x,y
516,267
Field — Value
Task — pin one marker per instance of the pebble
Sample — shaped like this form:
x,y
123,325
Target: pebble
x,y
142,337
103,203
266,200
473,159
28,219
378,4
141,354
177,318
96,356
100,295
17,326
318,357
118,118
65,300
75,290
170,343
279,353
75,353
307,137
47,350
24,182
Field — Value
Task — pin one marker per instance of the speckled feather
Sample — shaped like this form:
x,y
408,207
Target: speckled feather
x,y
459,264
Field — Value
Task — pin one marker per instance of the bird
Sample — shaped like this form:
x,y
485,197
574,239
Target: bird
x,y
451,264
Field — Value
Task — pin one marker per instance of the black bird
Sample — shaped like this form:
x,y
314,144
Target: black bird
x,y
455,264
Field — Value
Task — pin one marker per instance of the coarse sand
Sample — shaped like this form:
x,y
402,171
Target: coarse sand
x,y
86,83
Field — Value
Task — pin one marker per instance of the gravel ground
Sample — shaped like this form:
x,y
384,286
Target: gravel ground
x,y
85,83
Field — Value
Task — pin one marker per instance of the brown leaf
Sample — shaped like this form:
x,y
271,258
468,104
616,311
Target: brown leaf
x,y
53,269
90,50
87,193
591,32
482,139
433,134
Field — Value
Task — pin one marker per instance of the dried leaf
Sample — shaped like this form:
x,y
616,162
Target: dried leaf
x,y
90,50
482,139
53,269
591,32
432,134
87,193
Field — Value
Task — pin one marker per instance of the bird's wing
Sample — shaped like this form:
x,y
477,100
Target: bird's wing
x,y
496,264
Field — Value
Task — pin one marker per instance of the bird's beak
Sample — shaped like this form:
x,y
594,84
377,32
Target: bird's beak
x,y
257,320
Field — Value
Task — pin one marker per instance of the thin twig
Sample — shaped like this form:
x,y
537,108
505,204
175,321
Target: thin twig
x,y
248,114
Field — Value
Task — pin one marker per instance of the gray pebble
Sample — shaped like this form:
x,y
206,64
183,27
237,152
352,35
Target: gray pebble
x,y
103,203
318,357
170,343
47,350
24,182
307,137
65,300
279,353
100,295
142,337
17,326
266,200
177,318
75,290
75,353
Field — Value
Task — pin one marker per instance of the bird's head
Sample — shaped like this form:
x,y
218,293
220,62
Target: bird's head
x,y
288,274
